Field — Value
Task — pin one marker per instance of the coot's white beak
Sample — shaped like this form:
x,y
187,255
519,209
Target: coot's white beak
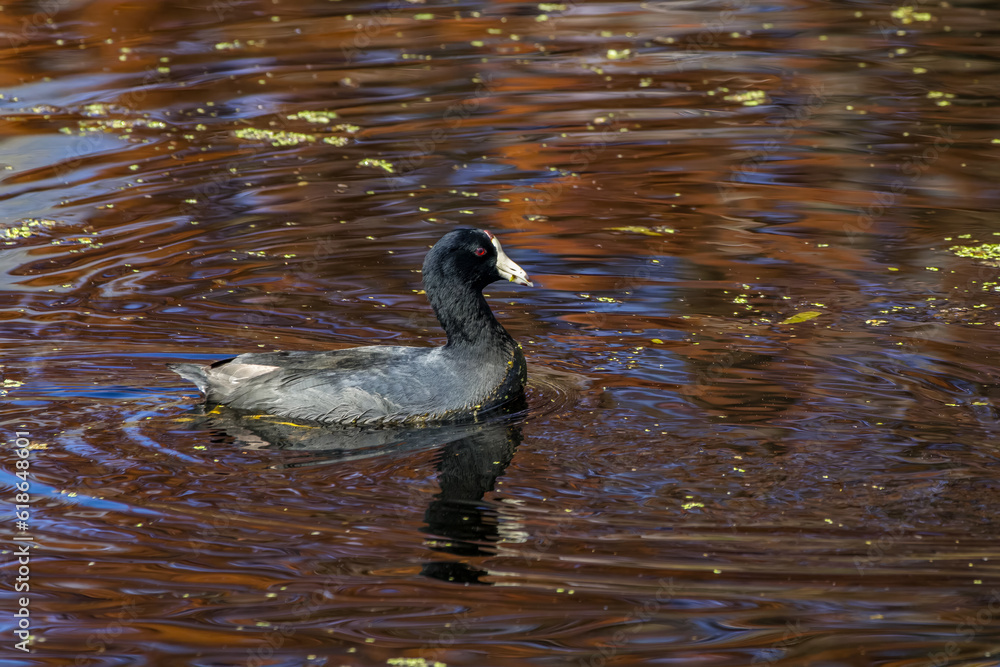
x,y
507,268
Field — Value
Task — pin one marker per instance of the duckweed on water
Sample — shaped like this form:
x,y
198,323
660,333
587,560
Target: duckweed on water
x,y
986,251
318,117
97,109
414,662
123,125
908,14
750,98
940,98
381,164
275,137
288,138
27,227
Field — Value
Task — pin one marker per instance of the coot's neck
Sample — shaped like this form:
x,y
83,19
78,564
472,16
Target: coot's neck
x,y
466,317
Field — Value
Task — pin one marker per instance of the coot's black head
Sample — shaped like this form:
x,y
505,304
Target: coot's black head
x,y
473,257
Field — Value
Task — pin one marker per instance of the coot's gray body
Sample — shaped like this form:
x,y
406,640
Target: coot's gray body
x,y
480,368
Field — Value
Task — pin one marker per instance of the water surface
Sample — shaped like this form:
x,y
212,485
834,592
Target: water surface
x,y
763,337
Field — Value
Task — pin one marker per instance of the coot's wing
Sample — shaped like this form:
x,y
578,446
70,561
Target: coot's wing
x,y
365,385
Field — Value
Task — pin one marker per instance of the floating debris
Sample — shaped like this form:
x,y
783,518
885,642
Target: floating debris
x,y
381,164
804,316
648,231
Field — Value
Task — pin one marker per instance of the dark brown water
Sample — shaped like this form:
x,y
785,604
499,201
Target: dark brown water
x,y
764,337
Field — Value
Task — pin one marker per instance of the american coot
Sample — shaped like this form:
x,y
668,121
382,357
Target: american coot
x,y
481,367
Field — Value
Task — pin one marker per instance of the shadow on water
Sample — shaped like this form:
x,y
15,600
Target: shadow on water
x,y
471,457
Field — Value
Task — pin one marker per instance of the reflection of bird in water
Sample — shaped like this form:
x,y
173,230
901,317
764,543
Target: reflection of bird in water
x,y
469,468
472,456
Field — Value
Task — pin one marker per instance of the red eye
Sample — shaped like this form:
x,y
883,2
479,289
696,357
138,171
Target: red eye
x,y
480,252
